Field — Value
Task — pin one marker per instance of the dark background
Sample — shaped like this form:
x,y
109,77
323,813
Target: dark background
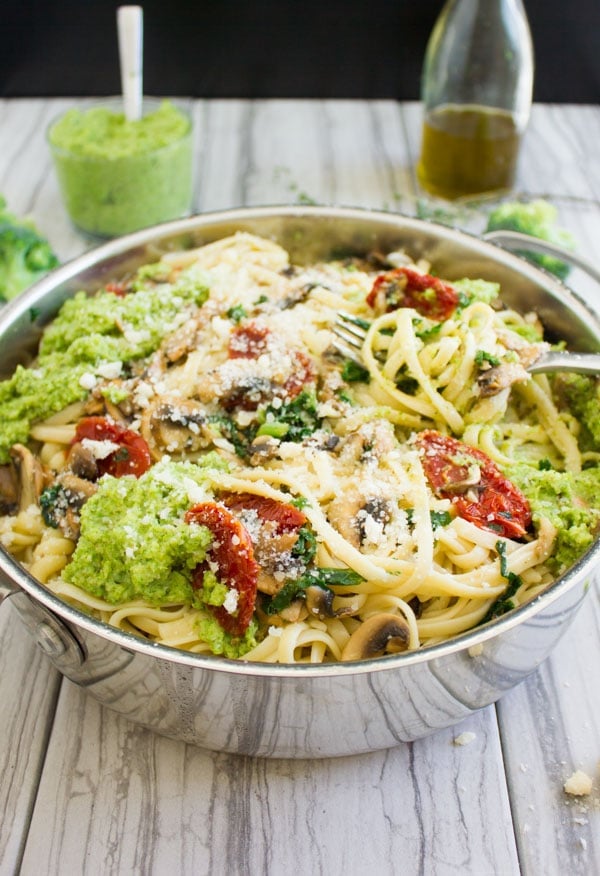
x,y
281,48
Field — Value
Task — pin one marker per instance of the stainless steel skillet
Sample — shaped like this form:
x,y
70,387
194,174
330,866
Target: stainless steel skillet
x,y
300,710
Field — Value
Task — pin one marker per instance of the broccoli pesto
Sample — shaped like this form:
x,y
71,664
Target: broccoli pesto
x,y
152,552
88,334
571,501
117,174
581,395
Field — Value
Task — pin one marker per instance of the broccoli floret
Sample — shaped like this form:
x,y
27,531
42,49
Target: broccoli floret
x,y
538,219
25,255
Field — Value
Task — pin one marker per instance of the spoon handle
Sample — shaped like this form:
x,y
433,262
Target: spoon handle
x,y
129,28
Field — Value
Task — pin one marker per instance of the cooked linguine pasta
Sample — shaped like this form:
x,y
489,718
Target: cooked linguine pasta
x,y
234,484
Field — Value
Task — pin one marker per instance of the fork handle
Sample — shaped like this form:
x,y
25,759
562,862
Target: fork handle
x,y
516,240
580,363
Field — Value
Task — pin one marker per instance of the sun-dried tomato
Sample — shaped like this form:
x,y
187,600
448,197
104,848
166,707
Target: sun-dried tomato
x,y
252,340
407,287
286,517
118,289
232,553
249,341
132,457
476,487
303,372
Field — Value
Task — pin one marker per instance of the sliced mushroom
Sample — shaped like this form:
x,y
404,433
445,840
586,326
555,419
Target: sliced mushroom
x,y
378,635
98,405
181,342
342,513
272,551
31,476
263,447
370,443
80,488
319,602
372,518
526,350
500,377
75,493
246,393
82,462
115,411
357,518
9,489
417,606
176,427
295,611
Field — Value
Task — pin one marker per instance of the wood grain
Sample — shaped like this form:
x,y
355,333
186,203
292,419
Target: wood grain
x,y
28,693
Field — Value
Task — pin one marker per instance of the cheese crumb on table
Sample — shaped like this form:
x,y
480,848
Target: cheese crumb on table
x,y
464,738
579,784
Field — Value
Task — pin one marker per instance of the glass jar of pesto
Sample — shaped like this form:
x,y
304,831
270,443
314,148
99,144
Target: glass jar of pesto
x,y
117,175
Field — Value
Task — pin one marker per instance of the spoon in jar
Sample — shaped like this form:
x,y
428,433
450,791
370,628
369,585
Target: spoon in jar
x,y
130,30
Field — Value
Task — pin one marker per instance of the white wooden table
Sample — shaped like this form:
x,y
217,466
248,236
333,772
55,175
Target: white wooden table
x,y
84,791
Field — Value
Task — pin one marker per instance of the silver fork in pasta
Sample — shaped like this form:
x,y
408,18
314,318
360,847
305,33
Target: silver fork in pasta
x,y
351,331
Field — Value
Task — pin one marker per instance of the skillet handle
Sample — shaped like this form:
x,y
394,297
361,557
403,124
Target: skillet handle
x,y
515,240
49,631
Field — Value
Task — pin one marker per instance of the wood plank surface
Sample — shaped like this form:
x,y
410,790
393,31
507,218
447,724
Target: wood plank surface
x,y
550,727
117,799
28,693
84,791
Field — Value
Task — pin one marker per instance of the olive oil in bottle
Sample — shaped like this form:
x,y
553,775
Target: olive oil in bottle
x,y
468,150
476,88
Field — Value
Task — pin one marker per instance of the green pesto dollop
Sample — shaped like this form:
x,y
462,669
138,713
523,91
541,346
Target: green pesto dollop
x,y
89,333
135,543
477,290
118,175
581,394
223,643
104,133
213,591
571,501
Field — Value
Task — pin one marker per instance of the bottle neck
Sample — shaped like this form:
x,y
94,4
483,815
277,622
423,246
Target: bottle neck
x,y
480,53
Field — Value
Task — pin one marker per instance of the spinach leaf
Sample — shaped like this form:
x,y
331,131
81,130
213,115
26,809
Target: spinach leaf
x,y
504,602
352,372
314,578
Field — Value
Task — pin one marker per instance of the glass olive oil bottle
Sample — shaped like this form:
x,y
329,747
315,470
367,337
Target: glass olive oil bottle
x,y
476,88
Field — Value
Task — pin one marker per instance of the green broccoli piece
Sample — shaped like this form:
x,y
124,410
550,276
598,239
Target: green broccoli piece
x,y
538,219
25,255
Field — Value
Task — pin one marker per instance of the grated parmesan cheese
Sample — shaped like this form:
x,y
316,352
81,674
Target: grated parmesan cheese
x,y
109,370
99,449
88,380
230,603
